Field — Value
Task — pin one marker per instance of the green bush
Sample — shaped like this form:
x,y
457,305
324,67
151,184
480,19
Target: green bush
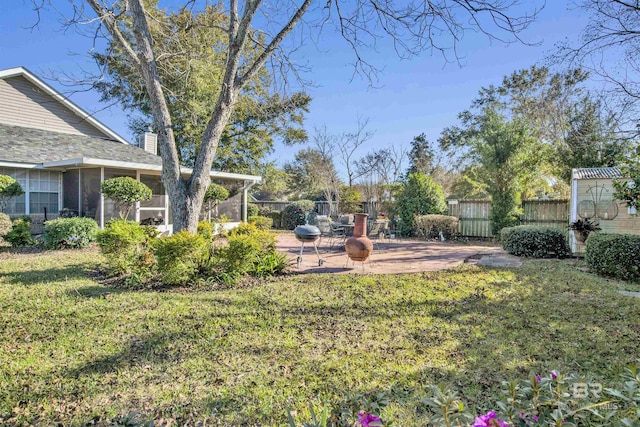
x,y
5,225
205,229
262,222
181,256
532,241
20,234
276,217
430,226
616,255
69,233
124,244
271,264
264,211
9,188
250,251
420,195
253,209
295,213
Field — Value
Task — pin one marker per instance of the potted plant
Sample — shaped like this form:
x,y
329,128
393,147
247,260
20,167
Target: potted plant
x,y
582,227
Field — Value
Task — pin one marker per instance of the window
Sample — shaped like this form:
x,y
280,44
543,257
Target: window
x,y
44,191
16,205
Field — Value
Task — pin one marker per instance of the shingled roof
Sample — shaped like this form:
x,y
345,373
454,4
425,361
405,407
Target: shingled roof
x,y
597,173
27,145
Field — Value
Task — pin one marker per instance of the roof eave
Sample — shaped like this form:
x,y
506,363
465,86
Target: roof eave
x,y
85,161
21,71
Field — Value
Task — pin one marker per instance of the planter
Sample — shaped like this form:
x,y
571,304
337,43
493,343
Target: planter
x,y
359,247
580,236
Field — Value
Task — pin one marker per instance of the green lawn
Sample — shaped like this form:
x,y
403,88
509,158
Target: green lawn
x,y
72,349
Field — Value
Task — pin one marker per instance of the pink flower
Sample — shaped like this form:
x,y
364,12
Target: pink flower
x,y
538,378
368,420
489,420
554,375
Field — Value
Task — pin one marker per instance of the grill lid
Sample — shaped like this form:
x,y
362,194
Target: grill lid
x,y
307,230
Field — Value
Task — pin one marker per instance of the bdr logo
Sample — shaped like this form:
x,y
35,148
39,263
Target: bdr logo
x,y
584,390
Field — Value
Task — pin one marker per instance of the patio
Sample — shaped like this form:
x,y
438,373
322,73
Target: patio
x,y
394,256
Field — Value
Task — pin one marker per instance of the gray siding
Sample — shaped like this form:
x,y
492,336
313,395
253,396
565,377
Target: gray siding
x,y
23,104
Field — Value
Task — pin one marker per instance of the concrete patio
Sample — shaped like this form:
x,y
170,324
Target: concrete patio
x,y
394,256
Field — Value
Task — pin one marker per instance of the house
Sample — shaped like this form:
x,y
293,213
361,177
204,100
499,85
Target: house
x,y
592,198
60,155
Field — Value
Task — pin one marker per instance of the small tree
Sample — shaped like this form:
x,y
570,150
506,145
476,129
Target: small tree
x,y
214,195
628,190
420,195
125,191
9,188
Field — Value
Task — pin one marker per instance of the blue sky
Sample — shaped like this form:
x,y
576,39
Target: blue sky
x,y
423,94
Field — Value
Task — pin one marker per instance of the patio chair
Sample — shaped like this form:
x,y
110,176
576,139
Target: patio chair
x,y
332,233
377,231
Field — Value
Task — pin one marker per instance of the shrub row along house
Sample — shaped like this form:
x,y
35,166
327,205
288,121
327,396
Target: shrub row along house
x,y
60,155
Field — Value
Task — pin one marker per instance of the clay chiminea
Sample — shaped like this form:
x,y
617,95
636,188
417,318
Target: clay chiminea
x,y
359,246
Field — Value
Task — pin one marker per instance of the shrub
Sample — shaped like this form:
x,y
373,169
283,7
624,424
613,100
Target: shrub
x,y
616,255
430,226
124,243
20,234
252,209
205,229
261,222
276,217
532,241
420,195
270,264
125,191
250,251
181,256
69,233
9,188
295,213
264,211
5,225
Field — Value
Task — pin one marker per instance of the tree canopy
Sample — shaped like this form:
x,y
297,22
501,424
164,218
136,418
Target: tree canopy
x,y
191,67
253,34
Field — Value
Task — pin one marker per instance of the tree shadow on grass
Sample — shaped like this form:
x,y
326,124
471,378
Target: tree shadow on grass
x,y
49,275
138,351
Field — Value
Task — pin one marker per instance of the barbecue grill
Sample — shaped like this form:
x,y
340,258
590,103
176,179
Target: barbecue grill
x,y
308,234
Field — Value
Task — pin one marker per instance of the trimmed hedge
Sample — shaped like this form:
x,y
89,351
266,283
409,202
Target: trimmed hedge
x,y
430,226
124,243
181,256
262,222
616,255
70,233
532,241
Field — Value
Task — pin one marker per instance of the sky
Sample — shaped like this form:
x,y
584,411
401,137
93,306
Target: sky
x,y
420,95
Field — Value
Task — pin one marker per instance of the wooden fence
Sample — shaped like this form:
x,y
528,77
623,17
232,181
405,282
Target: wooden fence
x,y
322,207
474,215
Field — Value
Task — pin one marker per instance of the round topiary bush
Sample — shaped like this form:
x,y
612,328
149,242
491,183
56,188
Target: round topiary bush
x,y
125,191
615,255
532,241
